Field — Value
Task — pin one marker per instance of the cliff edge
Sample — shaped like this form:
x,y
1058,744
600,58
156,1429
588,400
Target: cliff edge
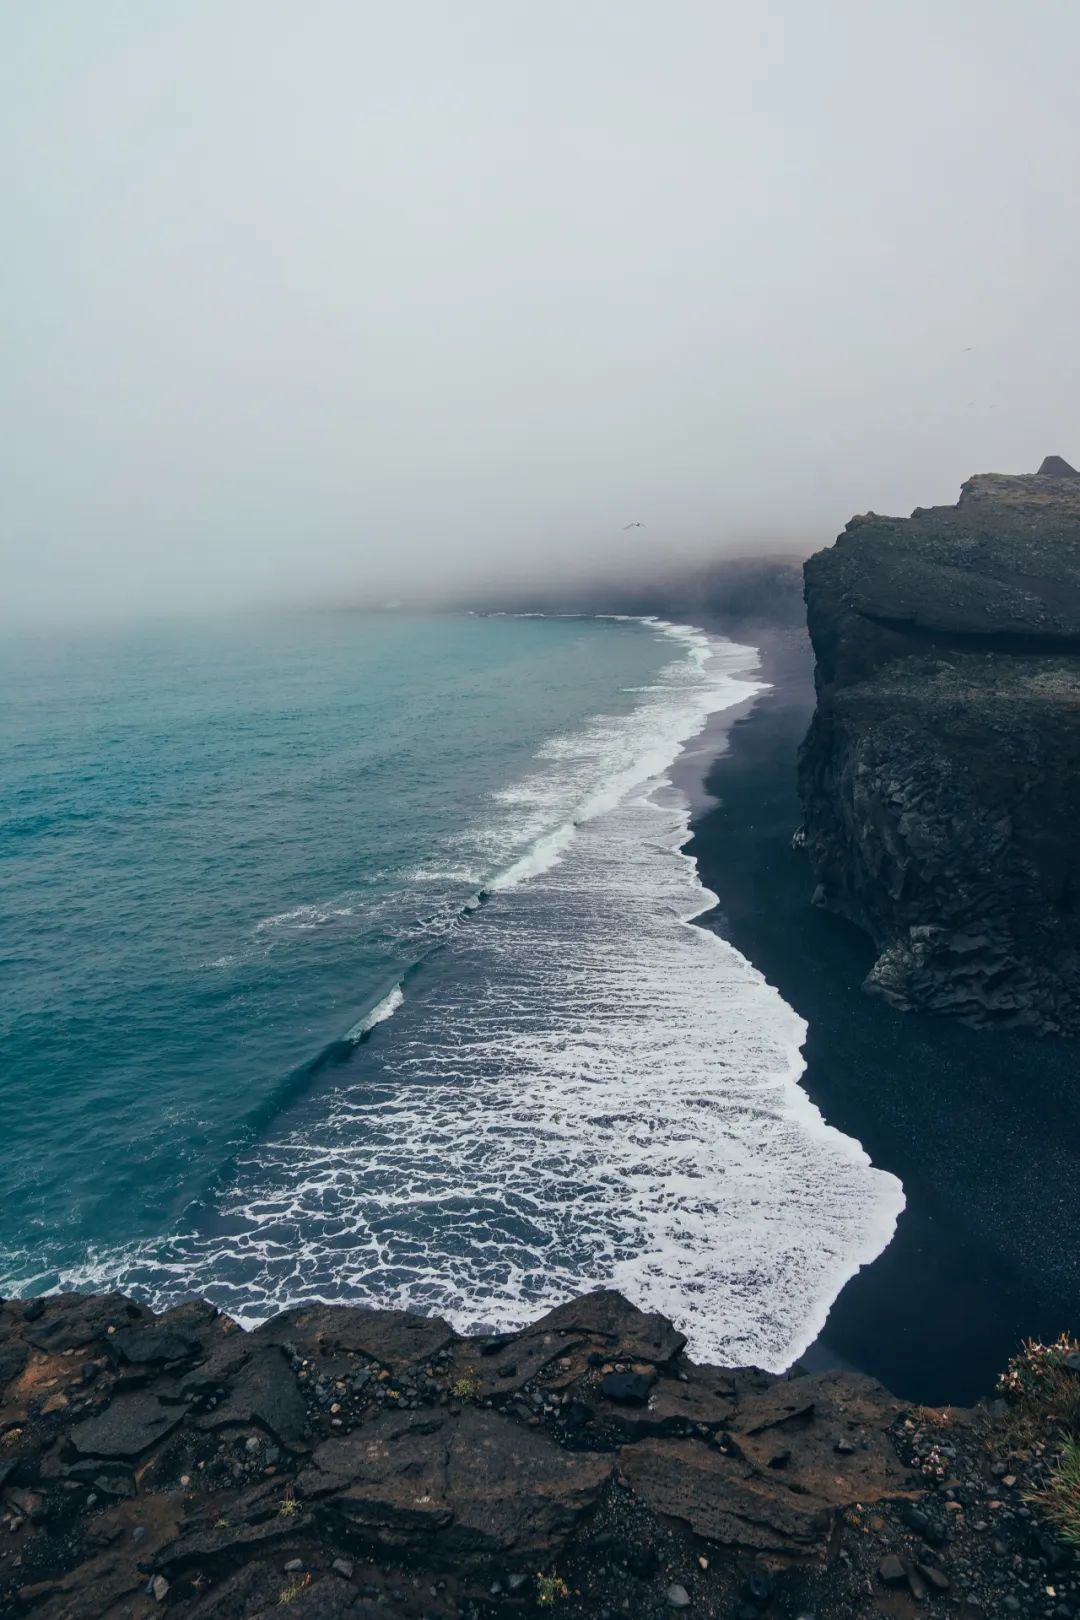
x,y
376,1465
940,777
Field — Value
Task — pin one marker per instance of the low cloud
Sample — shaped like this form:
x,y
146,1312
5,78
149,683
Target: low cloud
x,y
345,302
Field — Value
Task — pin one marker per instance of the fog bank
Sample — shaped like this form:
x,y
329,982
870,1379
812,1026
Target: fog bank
x,y
339,301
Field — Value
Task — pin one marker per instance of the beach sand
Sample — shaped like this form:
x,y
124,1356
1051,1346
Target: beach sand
x,y
982,1127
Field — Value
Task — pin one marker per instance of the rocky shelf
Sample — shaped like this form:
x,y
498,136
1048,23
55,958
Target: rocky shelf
x,y
341,1461
940,778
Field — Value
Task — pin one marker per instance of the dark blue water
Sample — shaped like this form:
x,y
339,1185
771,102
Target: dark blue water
x,y
348,957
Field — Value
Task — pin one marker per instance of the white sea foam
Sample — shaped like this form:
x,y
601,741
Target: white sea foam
x,y
450,874
301,918
590,1089
598,763
384,1009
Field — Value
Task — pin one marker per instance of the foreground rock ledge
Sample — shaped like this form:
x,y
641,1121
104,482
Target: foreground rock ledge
x,y
940,778
366,1463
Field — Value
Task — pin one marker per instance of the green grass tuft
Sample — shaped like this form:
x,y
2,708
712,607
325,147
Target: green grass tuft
x,y
550,1589
1060,1499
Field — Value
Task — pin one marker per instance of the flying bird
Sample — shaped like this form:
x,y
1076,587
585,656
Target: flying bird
x,y
632,526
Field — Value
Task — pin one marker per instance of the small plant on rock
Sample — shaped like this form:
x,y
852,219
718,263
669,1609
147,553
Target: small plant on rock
x,y
290,1593
1042,1387
933,1466
288,1506
550,1589
466,1388
1041,1377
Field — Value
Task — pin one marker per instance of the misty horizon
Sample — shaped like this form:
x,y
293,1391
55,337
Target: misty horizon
x,y
344,305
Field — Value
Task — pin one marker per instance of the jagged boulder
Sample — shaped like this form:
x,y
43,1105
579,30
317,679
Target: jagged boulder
x,y
471,1485
262,1389
130,1425
394,1338
607,1317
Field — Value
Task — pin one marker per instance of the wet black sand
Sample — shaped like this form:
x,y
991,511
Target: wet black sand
x,y
983,1128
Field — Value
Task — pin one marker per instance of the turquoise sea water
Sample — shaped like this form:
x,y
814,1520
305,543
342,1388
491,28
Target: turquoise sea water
x,y
345,956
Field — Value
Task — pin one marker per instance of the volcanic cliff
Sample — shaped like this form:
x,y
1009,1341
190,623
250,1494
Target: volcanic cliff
x,y
376,1465
940,778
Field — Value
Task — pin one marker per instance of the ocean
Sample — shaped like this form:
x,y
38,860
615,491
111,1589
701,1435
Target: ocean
x,y
354,957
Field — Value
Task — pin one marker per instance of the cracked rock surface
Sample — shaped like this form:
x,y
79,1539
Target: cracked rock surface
x,y
362,1464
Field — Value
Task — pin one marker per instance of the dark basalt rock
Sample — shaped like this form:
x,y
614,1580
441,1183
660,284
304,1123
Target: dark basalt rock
x,y
737,1496
250,1595
107,1478
606,1315
533,1352
126,1428
705,1402
70,1321
219,1367
263,1391
395,1338
628,1388
469,1485
251,1477
784,1403
146,1344
723,1498
940,778
891,1571
222,1546
12,1361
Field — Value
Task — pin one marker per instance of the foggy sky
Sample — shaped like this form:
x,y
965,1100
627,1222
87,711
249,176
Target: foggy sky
x,y
303,301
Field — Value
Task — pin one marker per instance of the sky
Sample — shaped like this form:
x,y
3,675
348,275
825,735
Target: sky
x,y
326,301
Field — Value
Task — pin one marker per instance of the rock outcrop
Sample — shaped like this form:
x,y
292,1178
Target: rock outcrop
x,y
368,1464
940,778
1056,467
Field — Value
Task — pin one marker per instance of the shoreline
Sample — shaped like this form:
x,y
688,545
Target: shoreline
x,y
976,1124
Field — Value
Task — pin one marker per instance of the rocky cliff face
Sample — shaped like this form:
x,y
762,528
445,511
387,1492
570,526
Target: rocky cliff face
x,y
377,1465
367,1462
940,778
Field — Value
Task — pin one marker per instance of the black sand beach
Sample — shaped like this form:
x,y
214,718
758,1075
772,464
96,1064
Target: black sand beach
x,y
982,1127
